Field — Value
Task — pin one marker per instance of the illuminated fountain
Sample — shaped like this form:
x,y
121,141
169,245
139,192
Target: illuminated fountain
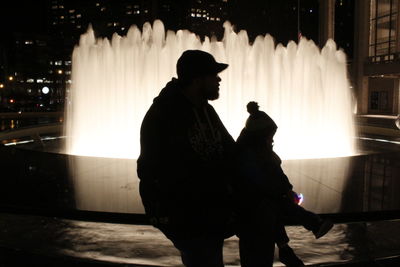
x,y
304,89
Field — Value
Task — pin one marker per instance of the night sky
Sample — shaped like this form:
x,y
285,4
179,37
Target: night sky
x,y
22,16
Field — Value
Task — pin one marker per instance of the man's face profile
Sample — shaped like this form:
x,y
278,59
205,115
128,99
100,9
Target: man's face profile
x,y
210,86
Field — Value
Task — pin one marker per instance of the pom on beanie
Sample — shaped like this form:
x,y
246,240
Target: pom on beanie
x,y
259,121
252,107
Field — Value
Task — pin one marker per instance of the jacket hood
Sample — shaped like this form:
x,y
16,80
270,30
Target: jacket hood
x,y
169,92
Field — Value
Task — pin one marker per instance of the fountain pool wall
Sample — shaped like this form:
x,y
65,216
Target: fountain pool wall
x,y
304,89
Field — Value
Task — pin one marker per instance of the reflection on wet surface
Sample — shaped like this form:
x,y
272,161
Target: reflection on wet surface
x,y
15,123
321,181
146,245
105,184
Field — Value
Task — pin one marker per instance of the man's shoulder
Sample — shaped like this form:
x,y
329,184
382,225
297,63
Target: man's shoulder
x,y
211,110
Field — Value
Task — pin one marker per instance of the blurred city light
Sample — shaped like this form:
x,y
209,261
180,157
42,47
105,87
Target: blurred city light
x,y
45,90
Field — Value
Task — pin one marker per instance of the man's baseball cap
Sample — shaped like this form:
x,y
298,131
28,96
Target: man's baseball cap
x,y
194,63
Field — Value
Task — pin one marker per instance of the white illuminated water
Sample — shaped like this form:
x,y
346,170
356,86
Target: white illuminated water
x,y
304,89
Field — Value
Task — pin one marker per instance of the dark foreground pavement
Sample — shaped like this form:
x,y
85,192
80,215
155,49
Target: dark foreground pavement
x,y
12,257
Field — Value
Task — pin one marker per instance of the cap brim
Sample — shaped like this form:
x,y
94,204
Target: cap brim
x,y
220,67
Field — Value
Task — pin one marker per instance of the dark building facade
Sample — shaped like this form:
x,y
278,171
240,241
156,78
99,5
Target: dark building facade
x,y
26,73
376,67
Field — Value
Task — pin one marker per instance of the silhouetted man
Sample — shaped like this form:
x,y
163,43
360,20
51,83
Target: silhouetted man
x,y
184,162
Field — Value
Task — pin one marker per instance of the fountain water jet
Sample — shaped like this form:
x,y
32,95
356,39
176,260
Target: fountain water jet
x,y
305,90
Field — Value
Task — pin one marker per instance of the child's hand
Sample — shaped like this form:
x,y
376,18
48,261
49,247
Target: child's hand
x,y
291,195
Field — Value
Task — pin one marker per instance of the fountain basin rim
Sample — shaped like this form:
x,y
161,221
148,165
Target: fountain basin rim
x,y
21,136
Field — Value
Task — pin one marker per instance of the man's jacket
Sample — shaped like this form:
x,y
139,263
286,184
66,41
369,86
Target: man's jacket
x,y
184,165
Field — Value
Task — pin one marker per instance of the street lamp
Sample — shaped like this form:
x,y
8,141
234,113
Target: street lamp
x,y
45,90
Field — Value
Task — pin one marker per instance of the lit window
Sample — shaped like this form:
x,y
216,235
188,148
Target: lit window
x,y
68,72
72,11
109,24
29,90
129,12
55,23
383,30
68,63
78,15
136,6
217,19
212,18
39,81
60,6
78,26
30,80
61,17
28,42
198,15
97,4
193,15
145,11
58,63
68,81
103,9
54,7
73,21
